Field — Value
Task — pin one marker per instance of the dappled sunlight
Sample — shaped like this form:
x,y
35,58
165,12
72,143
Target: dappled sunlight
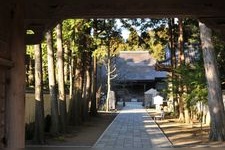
x,y
132,111
151,126
159,142
133,128
148,121
210,74
157,133
146,116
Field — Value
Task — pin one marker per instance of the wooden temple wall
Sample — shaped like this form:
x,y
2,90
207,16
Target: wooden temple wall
x,y
5,66
2,106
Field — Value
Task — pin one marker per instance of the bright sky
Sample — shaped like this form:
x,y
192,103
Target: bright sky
x,y
125,32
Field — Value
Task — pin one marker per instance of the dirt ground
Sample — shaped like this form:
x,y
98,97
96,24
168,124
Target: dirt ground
x,y
86,134
180,134
186,135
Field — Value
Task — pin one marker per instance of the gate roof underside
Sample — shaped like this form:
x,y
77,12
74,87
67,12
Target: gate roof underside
x,y
43,14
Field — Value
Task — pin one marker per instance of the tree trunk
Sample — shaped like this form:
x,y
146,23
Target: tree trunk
x,y
93,109
90,82
215,101
74,109
61,83
39,104
72,105
187,116
94,85
181,43
87,85
82,86
52,86
85,97
180,64
108,80
30,71
71,77
78,92
173,65
66,64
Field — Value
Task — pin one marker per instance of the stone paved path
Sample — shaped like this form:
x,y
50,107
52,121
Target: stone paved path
x,y
132,128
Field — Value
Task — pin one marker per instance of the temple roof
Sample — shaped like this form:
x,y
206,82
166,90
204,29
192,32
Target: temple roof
x,y
137,66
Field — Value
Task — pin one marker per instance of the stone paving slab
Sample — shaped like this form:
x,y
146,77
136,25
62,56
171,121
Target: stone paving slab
x,y
133,128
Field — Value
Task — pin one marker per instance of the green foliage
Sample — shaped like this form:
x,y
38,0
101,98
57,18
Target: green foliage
x,y
194,83
100,52
156,41
107,38
30,51
193,75
190,75
45,65
191,30
143,24
153,35
219,46
194,79
68,33
133,42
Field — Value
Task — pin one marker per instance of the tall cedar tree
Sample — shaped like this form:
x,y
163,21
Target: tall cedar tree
x,y
52,85
61,83
39,104
180,63
93,109
215,100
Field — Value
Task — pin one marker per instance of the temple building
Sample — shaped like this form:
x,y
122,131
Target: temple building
x,y
136,72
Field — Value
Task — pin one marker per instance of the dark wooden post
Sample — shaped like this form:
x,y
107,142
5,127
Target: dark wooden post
x,y
16,83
